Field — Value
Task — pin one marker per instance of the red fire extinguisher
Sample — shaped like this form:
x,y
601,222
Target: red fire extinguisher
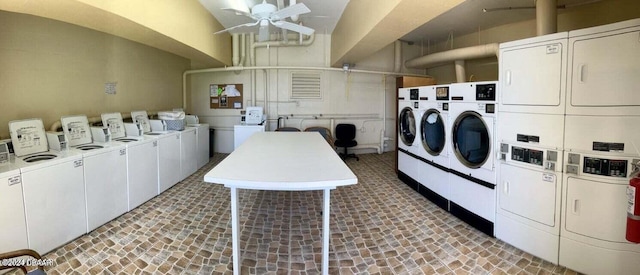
x,y
633,207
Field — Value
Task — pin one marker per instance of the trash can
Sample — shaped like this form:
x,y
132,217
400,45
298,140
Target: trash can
x,y
211,146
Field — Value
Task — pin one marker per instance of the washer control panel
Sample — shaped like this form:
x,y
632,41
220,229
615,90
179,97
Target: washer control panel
x,y
605,167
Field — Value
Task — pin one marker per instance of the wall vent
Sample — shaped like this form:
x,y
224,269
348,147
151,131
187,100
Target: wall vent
x,y
306,85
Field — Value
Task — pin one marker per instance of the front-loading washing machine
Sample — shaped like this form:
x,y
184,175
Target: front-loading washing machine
x,y
169,158
434,148
601,144
13,232
105,171
52,187
407,146
531,135
142,161
472,112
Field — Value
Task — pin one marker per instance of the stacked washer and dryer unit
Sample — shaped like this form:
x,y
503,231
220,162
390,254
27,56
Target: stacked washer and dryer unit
x,y
602,143
472,179
569,112
532,102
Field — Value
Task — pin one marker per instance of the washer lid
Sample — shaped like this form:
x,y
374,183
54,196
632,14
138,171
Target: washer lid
x,y
114,122
77,130
142,118
28,137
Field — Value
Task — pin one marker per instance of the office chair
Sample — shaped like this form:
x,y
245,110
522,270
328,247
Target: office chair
x,y
326,133
22,253
287,129
345,138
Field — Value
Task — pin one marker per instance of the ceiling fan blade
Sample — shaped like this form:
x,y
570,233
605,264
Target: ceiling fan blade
x,y
294,27
263,33
290,11
238,26
238,12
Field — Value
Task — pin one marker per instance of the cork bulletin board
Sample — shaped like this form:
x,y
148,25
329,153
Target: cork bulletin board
x,y
225,96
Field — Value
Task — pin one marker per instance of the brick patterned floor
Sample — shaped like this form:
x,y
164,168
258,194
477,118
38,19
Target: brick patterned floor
x,y
379,226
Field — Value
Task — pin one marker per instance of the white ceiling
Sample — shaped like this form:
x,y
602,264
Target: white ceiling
x,y
463,19
323,17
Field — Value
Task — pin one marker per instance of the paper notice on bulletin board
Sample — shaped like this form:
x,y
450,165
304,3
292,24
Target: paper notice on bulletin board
x,y
225,96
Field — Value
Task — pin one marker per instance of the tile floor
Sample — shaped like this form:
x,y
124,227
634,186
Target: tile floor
x,y
379,226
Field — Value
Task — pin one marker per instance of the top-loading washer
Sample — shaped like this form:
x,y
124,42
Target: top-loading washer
x,y
52,187
202,140
13,232
601,146
408,136
169,159
433,122
142,161
473,120
531,135
105,171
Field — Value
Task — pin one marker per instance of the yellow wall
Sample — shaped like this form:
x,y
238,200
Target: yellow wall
x,y
181,27
598,13
50,69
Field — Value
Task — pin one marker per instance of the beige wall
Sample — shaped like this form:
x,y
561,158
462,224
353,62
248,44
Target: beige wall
x,y
51,69
599,13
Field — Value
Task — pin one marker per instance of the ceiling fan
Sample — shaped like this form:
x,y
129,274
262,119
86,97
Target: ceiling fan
x,y
265,14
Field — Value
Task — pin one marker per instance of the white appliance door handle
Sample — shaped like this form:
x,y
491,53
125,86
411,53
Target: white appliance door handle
x,y
506,187
582,73
508,77
576,207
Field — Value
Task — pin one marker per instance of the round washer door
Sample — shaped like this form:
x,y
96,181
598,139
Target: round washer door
x,y
407,126
432,129
470,137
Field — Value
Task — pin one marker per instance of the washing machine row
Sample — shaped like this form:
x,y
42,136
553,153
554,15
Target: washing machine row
x,y
72,190
562,180
438,123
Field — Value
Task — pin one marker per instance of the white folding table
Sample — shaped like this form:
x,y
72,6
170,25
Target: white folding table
x,y
283,161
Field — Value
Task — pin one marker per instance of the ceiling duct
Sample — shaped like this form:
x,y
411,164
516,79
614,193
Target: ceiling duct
x,y
546,23
546,17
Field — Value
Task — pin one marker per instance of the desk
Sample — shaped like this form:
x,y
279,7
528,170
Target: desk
x,y
285,161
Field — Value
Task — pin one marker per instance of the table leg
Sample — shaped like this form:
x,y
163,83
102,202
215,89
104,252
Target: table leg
x,y
325,231
235,231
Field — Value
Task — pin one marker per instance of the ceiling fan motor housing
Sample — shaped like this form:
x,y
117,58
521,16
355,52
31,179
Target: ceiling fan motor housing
x,y
263,10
